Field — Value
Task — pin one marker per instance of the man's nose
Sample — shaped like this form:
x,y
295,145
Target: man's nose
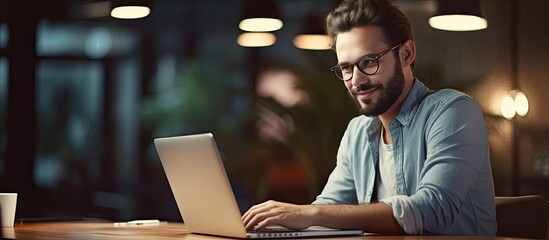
x,y
358,77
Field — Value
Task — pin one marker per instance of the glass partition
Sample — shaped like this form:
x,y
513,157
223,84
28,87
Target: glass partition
x,y
3,113
69,101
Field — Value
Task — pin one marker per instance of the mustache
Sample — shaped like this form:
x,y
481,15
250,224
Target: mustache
x,y
364,87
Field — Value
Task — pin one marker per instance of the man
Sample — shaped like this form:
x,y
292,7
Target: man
x,y
416,161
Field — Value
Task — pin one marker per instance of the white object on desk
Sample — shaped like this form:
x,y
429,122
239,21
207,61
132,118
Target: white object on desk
x,y
138,222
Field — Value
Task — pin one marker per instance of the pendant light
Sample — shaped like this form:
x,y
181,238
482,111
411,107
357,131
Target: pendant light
x,y
462,15
260,16
256,39
130,9
312,35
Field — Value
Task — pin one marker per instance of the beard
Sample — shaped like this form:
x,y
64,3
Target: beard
x,y
389,95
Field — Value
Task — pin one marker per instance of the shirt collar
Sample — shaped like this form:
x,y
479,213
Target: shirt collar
x,y
409,107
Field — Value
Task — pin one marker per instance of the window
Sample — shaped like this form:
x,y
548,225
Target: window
x,y
69,100
3,35
3,105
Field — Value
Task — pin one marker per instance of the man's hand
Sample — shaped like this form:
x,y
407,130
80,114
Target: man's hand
x,y
276,213
372,218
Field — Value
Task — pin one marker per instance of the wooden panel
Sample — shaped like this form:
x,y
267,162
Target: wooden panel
x,y
533,52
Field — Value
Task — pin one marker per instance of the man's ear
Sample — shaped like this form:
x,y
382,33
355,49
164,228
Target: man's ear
x,y
407,53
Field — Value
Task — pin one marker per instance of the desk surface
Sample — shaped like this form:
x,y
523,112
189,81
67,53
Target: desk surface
x,y
84,230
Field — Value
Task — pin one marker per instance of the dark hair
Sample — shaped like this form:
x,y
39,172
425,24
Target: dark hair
x,y
382,13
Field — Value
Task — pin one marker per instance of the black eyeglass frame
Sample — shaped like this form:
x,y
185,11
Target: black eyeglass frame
x,y
375,57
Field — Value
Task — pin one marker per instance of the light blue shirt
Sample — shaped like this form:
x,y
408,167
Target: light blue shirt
x,y
442,165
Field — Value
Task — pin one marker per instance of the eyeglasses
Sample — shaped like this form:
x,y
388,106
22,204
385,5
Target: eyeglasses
x,y
368,64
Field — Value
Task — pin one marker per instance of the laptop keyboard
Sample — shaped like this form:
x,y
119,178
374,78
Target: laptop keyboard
x,y
276,232
271,229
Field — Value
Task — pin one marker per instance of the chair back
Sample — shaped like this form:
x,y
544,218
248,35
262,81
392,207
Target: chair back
x,y
522,216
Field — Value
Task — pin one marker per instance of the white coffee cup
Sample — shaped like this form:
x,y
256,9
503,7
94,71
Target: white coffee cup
x,y
8,202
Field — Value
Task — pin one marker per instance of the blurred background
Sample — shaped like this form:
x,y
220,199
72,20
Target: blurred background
x,y
83,94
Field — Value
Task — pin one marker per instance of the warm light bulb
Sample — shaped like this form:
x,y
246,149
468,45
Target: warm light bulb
x,y
312,41
130,12
256,39
521,104
457,22
260,24
508,107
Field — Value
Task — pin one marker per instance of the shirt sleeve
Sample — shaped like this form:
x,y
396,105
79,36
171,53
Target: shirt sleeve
x,y
340,187
406,213
457,147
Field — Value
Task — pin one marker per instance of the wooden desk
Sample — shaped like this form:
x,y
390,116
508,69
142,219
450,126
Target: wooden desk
x,y
84,230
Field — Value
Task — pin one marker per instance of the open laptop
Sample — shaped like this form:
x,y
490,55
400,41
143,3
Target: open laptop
x,y
204,195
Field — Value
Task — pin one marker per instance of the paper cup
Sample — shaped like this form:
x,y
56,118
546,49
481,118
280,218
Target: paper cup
x,y
8,202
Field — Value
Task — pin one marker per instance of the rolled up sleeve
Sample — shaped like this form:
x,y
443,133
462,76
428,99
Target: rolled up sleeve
x,y
406,213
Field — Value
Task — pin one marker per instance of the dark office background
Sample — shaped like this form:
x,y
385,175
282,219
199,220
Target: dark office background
x,y
83,95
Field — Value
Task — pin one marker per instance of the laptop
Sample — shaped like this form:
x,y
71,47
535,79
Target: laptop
x,y
204,195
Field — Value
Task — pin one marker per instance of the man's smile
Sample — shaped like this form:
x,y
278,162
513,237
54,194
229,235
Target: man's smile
x,y
364,92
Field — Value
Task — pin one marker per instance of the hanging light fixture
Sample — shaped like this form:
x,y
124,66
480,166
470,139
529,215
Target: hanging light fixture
x,y
312,36
130,9
256,39
463,15
260,16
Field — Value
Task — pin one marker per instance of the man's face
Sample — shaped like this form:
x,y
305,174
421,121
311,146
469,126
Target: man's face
x,y
377,93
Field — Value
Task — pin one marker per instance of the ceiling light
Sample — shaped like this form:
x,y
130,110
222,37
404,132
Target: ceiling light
x,y
253,39
312,41
312,36
130,9
260,24
464,15
260,16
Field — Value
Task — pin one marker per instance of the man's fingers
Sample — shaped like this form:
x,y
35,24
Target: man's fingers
x,y
250,215
256,219
268,221
258,214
